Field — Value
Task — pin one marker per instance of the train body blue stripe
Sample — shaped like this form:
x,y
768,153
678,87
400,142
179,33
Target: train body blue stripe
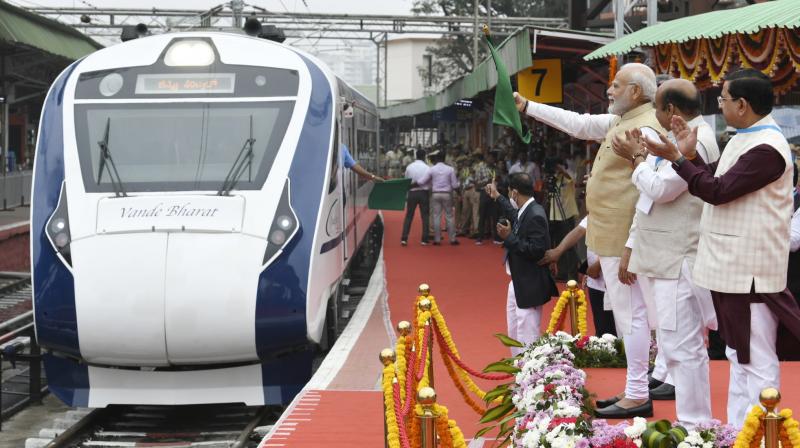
x,y
54,288
282,287
67,380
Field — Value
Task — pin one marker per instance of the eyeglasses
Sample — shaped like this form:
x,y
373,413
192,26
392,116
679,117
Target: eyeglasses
x,y
720,99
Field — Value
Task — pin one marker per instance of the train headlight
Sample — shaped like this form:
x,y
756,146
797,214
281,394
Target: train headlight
x,y
189,53
285,222
283,228
111,84
61,240
58,225
277,237
57,228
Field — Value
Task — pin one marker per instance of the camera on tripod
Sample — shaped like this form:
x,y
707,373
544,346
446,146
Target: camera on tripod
x,y
550,165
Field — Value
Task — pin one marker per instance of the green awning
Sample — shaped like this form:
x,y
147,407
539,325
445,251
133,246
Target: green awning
x,y
773,14
515,51
18,26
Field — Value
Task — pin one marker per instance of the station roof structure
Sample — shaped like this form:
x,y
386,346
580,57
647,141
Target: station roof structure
x,y
711,25
517,52
19,27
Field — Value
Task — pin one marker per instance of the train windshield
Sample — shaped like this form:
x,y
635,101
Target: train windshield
x,y
178,146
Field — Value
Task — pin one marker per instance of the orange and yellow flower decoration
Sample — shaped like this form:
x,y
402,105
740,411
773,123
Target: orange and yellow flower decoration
x,y
561,305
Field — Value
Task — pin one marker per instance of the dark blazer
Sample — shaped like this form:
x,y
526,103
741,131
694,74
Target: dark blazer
x,y
525,246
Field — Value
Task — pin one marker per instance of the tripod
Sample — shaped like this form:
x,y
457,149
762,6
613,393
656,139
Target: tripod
x,y
554,198
557,226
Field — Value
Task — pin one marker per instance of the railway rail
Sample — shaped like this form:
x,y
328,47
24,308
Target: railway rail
x,y
20,362
209,426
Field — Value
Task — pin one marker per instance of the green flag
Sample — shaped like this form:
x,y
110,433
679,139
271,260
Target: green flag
x,y
389,195
505,111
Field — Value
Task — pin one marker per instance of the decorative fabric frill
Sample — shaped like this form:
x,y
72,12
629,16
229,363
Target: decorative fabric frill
x,y
773,51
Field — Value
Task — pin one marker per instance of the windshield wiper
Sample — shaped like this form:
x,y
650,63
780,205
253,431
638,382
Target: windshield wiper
x,y
105,156
245,158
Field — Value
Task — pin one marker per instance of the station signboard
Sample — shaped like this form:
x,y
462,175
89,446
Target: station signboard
x,y
541,82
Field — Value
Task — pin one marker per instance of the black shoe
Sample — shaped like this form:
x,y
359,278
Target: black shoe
x,y
663,392
436,243
599,404
653,383
454,243
614,411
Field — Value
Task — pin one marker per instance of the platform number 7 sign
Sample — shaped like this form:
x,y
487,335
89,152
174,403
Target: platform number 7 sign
x,y
541,82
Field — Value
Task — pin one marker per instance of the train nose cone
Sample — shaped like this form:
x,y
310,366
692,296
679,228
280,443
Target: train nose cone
x,y
157,299
210,298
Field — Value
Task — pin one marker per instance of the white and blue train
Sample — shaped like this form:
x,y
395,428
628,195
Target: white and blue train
x,y
192,219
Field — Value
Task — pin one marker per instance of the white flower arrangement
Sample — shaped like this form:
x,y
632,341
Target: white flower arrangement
x,y
695,440
605,343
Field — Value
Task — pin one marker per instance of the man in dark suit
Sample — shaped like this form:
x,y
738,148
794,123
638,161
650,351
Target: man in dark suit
x,y
525,238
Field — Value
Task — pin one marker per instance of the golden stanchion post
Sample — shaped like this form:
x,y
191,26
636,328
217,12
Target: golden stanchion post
x,y
387,357
425,305
572,287
404,328
769,398
426,397
424,290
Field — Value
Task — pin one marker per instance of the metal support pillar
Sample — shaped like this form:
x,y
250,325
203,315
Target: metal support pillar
x,y
377,73
385,69
475,35
652,12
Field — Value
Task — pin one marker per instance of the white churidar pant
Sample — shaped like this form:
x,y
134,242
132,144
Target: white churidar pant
x,y
630,315
524,324
660,369
747,380
681,342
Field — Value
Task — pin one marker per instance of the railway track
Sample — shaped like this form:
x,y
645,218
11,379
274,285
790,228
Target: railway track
x,y
208,426
15,295
22,379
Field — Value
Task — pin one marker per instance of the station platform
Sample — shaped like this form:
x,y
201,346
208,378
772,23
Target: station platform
x,y
342,405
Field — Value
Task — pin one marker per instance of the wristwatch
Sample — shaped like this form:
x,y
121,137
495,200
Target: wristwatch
x,y
677,163
638,154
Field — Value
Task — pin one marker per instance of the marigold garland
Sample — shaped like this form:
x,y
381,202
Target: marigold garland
x,y
790,434
563,301
751,434
441,325
392,430
400,352
450,436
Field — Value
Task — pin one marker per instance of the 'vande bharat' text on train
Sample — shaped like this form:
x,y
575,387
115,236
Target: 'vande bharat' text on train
x,y
160,210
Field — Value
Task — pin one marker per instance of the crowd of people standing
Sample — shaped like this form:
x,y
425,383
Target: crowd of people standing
x,y
450,181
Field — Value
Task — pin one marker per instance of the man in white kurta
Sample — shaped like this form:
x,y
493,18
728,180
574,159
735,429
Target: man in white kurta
x,y
662,248
610,199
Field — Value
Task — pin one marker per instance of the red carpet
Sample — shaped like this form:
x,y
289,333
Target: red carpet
x,y
470,283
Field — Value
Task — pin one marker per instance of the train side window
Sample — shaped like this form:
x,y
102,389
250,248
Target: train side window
x,y
334,176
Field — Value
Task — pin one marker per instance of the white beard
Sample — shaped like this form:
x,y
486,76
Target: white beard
x,y
620,106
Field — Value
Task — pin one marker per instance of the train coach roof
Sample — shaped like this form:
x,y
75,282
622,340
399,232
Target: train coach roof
x,y
19,27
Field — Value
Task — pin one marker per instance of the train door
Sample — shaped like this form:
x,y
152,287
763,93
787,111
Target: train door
x,y
348,192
